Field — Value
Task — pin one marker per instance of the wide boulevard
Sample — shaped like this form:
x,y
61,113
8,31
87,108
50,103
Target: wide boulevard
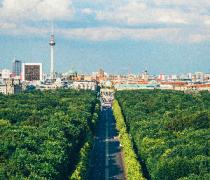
x,y
106,161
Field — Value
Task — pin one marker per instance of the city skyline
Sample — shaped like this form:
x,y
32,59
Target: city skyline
x,y
112,36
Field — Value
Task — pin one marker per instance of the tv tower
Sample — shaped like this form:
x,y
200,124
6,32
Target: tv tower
x,y
52,47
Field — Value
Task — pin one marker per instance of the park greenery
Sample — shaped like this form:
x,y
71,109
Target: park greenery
x,y
170,131
131,164
42,133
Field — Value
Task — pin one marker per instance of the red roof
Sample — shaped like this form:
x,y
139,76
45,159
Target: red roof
x,y
199,86
177,83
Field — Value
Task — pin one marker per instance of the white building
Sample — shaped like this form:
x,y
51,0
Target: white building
x,y
166,86
32,72
3,88
189,75
207,77
10,86
174,77
86,85
145,76
5,74
183,77
199,76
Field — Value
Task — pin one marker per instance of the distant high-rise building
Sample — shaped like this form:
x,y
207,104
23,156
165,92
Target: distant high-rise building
x,y
16,67
145,75
101,73
32,71
189,75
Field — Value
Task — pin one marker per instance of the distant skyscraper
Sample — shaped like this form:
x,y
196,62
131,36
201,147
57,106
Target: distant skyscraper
x,y
145,75
52,45
101,73
16,67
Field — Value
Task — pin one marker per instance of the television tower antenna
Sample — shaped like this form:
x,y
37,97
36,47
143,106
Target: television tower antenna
x,y
52,55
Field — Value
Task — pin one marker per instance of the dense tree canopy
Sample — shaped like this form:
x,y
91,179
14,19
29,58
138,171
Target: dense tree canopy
x,y
170,131
42,132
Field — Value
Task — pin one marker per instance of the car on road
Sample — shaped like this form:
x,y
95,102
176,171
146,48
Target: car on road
x,y
107,104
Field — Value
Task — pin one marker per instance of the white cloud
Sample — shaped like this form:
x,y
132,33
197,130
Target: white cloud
x,y
196,38
136,12
175,35
87,11
21,10
6,26
189,3
184,21
93,34
55,9
14,30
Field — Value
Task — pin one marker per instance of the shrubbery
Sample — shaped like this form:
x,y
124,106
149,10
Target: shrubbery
x,y
132,166
80,173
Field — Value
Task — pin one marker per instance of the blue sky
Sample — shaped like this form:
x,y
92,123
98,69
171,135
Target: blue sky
x,y
120,36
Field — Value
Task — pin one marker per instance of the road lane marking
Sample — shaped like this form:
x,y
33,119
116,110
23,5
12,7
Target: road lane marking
x,y
107,149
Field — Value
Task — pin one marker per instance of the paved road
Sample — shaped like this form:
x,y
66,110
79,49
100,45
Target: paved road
x,y
106,160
